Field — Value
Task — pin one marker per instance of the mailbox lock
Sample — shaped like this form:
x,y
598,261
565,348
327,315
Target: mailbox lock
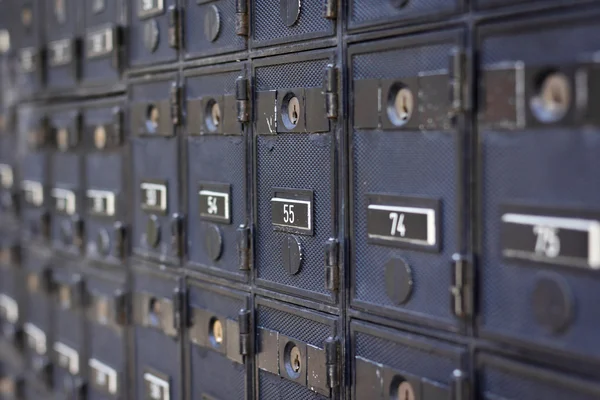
x,y
213,115
100,138
293,360
152,118
402,390
26,16
401,104
62,139
291,111
553,97
216,332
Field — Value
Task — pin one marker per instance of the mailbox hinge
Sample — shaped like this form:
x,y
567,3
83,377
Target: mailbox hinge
x,y
241,96
175,99
118,36
180,310
458,82
241,17
243,239
244,323
330,9
332,274
332,348
331,89
460,385
175,18
121,308
461,291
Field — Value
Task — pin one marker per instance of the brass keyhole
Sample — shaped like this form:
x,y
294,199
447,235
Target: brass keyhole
x,y
26,16
553,99
62,139
556,93
217,331
152,118
154,312
405,391
295,362
294,110
100,138
216,114
400,104
404,104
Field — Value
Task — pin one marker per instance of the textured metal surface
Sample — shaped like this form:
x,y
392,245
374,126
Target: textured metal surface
x,y
365,199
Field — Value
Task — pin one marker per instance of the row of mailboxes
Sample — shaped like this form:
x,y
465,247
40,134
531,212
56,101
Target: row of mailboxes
x,y
64,43
236,171
412,179
84,335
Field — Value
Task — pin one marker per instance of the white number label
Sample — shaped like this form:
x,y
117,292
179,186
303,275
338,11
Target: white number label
x,y
212,205
547,241
288,213
397,224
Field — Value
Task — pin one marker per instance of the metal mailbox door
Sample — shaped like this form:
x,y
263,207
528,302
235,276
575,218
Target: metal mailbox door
x,y
157,324
214,27
63,49
406,177
26,33
219,326
67,181
39,312
375,13
392,364
71,338
153,32
217,173
103,47
107,311
295,349
539,223
295,185
276,22
157,221
107,219
34,139
507,379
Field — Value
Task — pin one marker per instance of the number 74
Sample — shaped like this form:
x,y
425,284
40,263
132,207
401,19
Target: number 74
x,y
397,224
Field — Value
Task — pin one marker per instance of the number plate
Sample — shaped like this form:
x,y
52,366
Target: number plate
x,y
555,239
150,8
27,59
99,43
6,176
156,386
67,358
60,52
33,193
292,211
9,309
154,197
101,202
403,222
103,377
36,338
64,201
215,202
